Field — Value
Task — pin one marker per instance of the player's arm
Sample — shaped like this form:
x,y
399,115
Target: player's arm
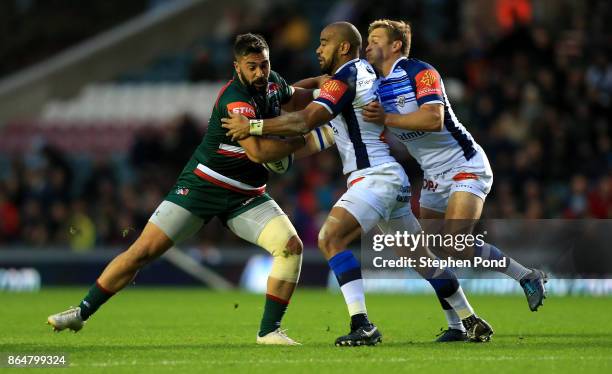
x,y
334,96
299,100
313,82
427,86
261,149
317,140
304,91
429,117
290,124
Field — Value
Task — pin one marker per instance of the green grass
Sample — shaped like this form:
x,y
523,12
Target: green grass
x,y
192,330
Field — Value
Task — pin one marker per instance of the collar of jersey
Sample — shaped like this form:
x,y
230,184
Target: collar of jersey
x,y
394,64
346,63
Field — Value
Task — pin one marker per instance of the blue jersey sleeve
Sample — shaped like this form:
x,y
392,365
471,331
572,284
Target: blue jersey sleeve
x,y
337,93
426,82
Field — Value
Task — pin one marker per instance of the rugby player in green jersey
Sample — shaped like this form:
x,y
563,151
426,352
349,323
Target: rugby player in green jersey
x,y
226,179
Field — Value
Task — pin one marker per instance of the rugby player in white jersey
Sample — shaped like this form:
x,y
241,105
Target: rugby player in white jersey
x,y
457,175
378,187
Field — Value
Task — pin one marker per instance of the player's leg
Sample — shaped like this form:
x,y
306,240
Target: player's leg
x,y
445,284
267,226
340,228
465,207
456,330
169,224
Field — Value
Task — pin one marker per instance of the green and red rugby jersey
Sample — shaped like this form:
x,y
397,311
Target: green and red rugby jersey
x,y
223,162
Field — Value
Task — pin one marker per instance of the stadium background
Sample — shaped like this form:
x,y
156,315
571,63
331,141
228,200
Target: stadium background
x,y
102,104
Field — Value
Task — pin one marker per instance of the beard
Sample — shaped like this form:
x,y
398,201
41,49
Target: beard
x,y
328,68
251,86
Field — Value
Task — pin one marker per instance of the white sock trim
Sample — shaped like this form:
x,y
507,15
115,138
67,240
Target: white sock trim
x,y
354,296
460,304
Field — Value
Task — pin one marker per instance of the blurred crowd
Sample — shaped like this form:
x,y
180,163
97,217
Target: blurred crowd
x,y
532,83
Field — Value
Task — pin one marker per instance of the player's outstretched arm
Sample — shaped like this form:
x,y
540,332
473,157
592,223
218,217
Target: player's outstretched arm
x,y
429,117
304,92
262,149
313,82
299,100
290,124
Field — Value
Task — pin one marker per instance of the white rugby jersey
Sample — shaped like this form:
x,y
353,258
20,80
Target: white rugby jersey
x,y
413,83
359,143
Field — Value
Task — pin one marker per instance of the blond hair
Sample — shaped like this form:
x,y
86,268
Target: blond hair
x,y
396,30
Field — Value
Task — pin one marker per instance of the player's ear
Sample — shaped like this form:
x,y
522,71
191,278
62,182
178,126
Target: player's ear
x,y
396,45
345,48
236,67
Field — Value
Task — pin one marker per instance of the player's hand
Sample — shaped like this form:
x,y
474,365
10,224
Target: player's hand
x,y
375,113
238,126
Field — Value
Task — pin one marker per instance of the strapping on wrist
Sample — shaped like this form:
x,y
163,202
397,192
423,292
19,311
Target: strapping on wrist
x,y
256,126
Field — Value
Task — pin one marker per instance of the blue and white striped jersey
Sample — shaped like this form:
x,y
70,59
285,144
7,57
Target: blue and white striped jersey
x,y
359,142
410,84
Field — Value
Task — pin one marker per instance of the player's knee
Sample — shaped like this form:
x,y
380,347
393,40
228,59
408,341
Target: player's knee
x,y
287,263
294,245
280,239
323,244
287,268
327,239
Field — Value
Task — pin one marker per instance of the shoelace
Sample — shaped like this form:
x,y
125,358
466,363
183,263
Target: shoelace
x,y
70,312
282,333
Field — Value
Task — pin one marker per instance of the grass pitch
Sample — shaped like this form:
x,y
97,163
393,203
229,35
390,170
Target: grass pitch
x,y
193,330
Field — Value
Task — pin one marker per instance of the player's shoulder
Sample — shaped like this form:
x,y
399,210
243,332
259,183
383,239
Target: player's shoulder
x,y
276,82
275,77
233,88
353,71
233,97
346,72
413,66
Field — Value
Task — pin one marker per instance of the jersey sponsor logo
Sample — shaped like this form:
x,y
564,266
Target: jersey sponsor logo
x,y
404,189
430,185
403,195
335,130
240,107
333,90
463,176
402,198
427,83
410,135
365,82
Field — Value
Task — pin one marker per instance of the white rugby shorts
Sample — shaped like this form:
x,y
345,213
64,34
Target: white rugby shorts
x,y
474,176
377,193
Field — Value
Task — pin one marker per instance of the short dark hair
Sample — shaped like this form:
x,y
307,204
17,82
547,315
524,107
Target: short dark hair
x,y
249,43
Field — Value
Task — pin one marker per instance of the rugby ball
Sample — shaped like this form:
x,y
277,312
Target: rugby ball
x,y
281,166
